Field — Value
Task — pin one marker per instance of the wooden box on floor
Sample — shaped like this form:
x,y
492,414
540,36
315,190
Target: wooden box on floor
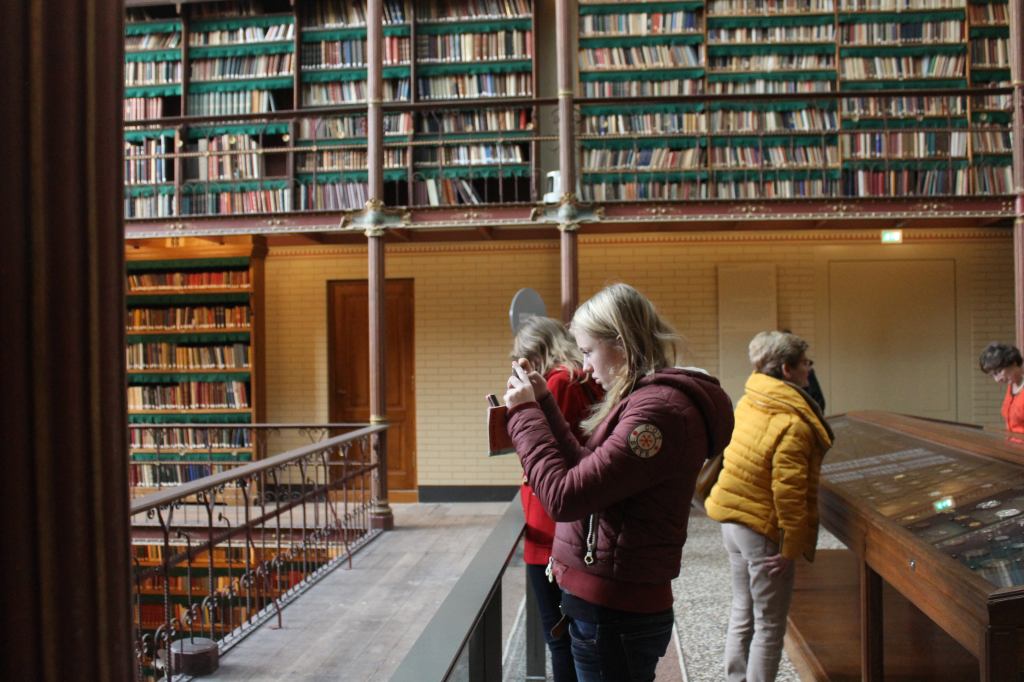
x,y
933,587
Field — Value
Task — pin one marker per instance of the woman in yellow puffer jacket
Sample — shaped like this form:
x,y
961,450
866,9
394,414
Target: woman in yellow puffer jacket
x,y
766,499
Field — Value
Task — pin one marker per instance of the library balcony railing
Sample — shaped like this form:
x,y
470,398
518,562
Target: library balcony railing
x,y
464,640
922,156
229,534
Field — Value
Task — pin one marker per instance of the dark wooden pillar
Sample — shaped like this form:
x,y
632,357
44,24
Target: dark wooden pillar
x,y
374,98
1017,75
380,515
65,602
567,151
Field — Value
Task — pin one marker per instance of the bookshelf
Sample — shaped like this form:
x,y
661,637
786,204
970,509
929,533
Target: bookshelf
x,y
273,55
194,356
891,142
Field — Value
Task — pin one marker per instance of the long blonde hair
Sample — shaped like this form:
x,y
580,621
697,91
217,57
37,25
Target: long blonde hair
x,y
622,315
546,343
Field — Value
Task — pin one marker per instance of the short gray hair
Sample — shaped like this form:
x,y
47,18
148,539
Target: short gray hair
x,y
769,351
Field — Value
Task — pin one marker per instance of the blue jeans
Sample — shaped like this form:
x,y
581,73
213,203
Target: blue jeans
x,y
626,648
548,599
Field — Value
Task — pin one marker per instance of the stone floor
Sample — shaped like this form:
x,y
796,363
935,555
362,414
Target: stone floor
x,y
357,624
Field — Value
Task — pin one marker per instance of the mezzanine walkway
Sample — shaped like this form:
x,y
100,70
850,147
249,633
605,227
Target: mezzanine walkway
x,y
357,624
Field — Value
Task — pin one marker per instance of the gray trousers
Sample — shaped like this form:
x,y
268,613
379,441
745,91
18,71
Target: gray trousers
x,y
760,603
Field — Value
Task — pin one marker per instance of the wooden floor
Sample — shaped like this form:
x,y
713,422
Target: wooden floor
x,y
823,640
358,624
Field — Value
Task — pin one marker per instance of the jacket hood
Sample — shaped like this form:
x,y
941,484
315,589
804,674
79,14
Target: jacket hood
x,y
774,395
707,396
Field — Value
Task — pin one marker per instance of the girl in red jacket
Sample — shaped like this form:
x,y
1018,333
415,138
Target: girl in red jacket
x,y
546,344
622,501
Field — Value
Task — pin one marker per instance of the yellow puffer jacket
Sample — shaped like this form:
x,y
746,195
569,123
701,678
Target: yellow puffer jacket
x,y
769,482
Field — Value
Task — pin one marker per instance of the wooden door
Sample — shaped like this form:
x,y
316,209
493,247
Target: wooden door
x,y
349,358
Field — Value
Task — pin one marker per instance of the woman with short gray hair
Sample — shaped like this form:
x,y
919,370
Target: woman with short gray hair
x,y
766,499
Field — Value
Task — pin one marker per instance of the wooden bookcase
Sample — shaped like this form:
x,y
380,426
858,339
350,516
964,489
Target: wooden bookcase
x,y
194,356
310,54
784,147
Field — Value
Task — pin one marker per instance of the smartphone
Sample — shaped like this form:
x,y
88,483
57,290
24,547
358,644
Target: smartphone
x,y
492,400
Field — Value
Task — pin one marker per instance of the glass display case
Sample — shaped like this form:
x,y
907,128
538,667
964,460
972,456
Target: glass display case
x,y
937,511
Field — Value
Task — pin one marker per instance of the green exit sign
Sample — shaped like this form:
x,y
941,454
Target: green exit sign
x,y
892,236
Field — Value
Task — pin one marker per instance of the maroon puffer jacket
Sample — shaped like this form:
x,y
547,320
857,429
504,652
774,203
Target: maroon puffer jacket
x,y
629,488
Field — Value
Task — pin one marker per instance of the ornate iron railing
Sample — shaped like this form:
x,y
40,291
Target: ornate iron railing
x,y
225,544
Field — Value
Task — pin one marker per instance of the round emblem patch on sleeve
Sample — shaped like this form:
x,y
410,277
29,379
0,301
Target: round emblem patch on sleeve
x,y
645,440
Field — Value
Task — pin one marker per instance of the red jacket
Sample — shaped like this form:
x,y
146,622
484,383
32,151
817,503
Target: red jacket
x,y
631,484
1013,410
574,401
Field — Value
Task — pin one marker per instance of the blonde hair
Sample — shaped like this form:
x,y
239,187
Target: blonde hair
x,y
546,343
621,315
769,351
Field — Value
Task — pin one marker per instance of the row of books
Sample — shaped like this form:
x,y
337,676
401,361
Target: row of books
x,y
908,181
471,47
652,123
151,167
241,102
190,438
742,7
639,57
903,106
639,88
239,68
991,13
156,206
772,62
227,157
152,73
776,189
772,34
348,92
173,356
346,159
340,13
476,120
810,120
905,145
188,317
897,5
638,22
993,141
335,127
157,475
458,10
190,395
928,66
333,196
762,86
472,86
191,279
237,202
889,33
775,157
142,108
152,41
244,35
991,52
485,153
659,158
633,190
445,192
336,54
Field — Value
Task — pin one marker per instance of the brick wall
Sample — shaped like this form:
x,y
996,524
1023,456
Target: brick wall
x,y
462,332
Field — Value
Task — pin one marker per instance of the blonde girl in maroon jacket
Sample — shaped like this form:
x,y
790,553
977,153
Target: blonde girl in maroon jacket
x,y
552,352
622,501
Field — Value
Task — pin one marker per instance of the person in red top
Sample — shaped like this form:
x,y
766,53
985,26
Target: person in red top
x,y
622,500
546,344
1003,363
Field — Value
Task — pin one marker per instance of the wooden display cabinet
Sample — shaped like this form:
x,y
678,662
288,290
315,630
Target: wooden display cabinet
x,y
934,511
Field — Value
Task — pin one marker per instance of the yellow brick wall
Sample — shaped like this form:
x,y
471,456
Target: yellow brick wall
x,y
463,291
